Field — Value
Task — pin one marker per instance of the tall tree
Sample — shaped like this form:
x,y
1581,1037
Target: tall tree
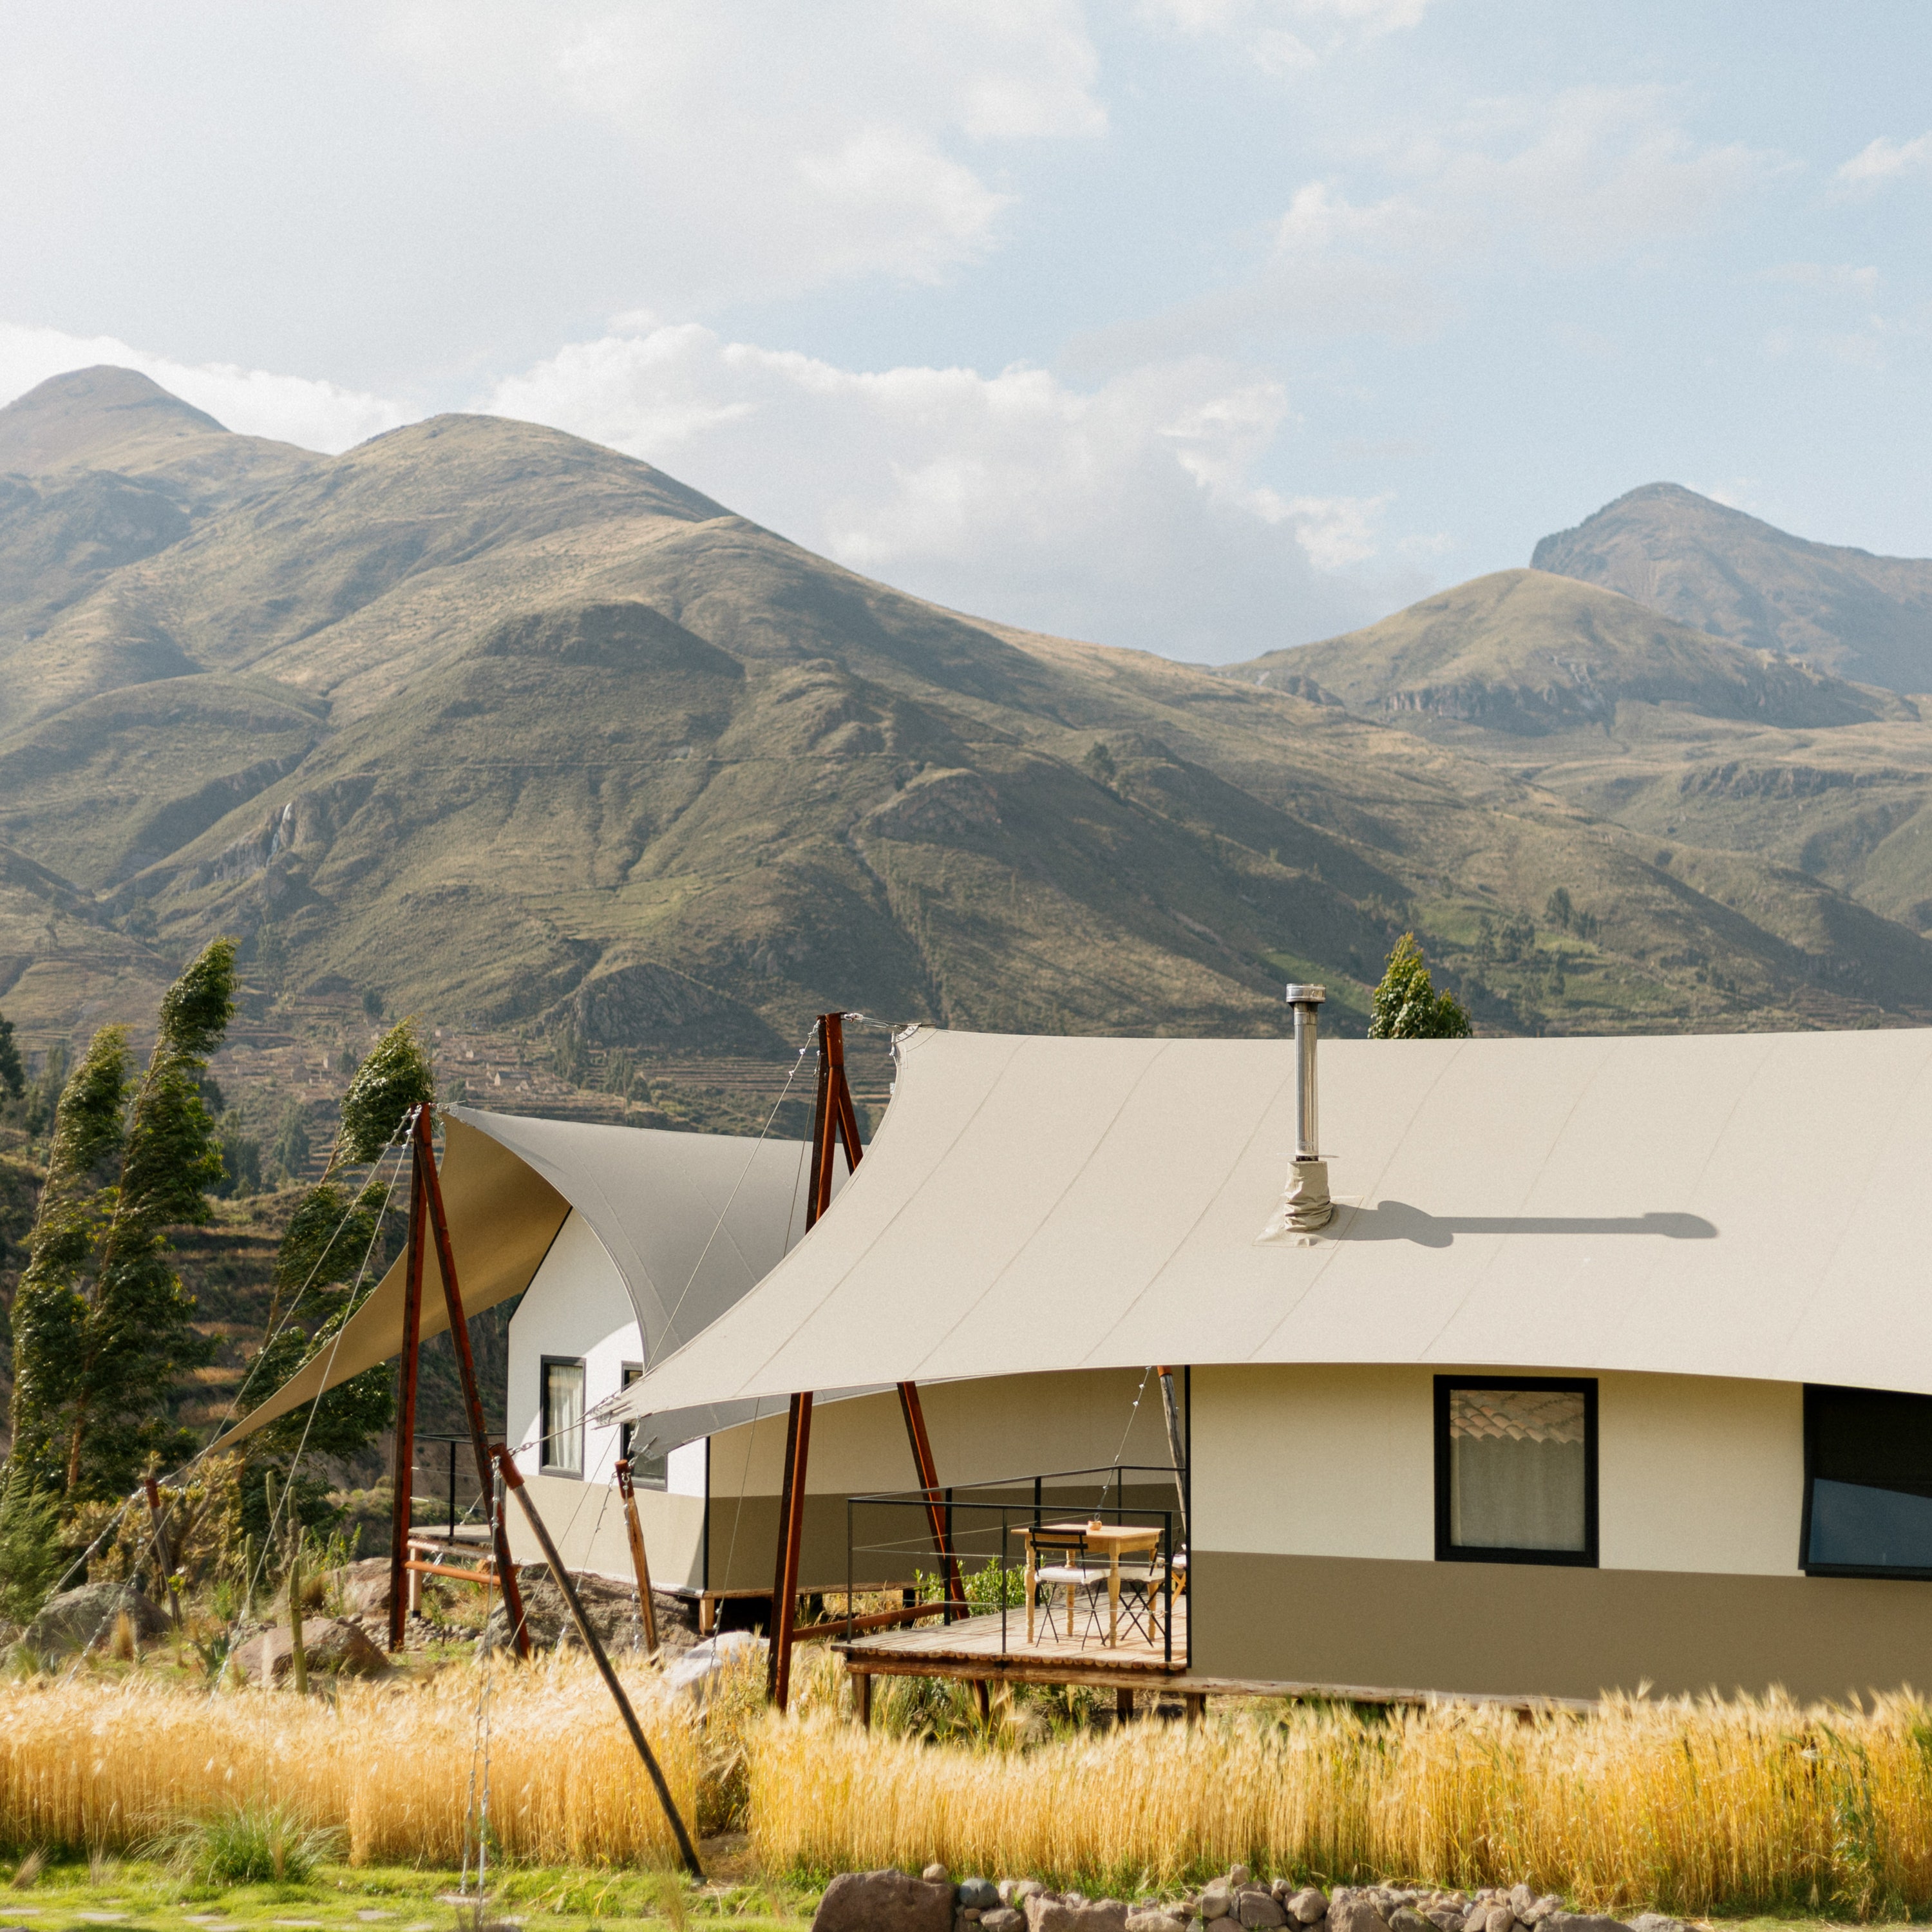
x,y
52,1304
98,1344
1406,1005
331,1258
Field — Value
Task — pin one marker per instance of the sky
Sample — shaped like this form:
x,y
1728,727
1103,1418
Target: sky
x,y
1199,326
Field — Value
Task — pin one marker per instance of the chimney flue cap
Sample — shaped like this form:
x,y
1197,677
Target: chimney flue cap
x,y
1306,996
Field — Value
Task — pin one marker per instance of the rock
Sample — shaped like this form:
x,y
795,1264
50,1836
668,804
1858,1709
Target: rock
x,y
1002,1918
1521,1898
361,1588
612,1608
1445,1918
84,1619
1045,1913
1498,1918
977,1894
1214,1901
935,1874
1650,1922
1540,1909
1237,1877
1153,1918
1353,1911
884,1901
1406,1919
695,1670
331,1646
1581,1921
1022,1889
1307,1905
1254,1906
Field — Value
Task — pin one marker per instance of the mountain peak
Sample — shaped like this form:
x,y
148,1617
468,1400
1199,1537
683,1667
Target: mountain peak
x,y
1721,570
93,419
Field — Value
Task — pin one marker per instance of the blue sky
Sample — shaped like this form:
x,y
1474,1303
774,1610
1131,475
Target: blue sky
x,y
1199,325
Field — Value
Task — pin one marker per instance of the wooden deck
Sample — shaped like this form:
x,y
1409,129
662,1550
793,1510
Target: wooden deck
x,y
973,1649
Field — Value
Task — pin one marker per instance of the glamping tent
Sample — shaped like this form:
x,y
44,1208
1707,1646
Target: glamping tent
x,y
625,1244
1612,1366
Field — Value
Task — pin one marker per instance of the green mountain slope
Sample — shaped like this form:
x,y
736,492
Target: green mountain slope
x,y
1716,569
513,732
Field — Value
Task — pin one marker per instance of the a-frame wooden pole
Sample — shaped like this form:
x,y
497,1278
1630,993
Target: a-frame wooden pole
x,y
472,1399
406,1412
634,1530
910,1408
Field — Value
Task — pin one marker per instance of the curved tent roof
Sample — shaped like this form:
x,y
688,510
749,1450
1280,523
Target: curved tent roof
x,y
690,1222
1745,1204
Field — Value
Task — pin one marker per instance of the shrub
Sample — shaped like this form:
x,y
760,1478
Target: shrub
x,y
247,1844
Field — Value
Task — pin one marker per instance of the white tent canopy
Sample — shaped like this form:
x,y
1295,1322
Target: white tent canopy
x,y
1748,1205
690,1222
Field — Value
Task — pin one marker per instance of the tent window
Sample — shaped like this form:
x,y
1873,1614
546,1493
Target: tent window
x,y
648,1472
1516,1470
563,1448
1868,1483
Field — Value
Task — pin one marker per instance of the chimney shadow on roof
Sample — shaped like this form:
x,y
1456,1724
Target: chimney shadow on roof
x,y
1397,1221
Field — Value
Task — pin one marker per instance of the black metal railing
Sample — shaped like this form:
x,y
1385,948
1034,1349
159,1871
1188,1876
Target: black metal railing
x,y
978,1521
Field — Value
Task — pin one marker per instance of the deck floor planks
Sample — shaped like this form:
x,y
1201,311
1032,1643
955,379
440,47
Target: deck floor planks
x,y
976,1640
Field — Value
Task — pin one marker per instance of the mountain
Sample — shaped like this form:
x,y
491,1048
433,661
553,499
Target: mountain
x,y
1526,652
1798,799
482,722
1843,610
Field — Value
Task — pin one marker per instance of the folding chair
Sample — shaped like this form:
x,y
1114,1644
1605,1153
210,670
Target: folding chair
x,y
1141,1582
1069,1573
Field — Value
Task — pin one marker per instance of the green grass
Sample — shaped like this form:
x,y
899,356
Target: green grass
x,y
115,1895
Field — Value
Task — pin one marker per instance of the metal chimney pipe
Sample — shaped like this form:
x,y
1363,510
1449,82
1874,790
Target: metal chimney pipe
x,y
1306,1001
1306,1204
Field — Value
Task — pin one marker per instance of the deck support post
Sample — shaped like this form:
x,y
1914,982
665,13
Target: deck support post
x,y
1197,1706
401,1499
863,1681
430,1186
1123,1706
983,1697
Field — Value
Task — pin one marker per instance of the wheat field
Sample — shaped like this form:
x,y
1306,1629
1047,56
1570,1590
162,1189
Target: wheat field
x,y
97,1760
1692,1808
1695,1807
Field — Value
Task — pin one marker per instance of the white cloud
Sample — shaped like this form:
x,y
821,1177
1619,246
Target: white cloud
x,y
788,148
1129,512
1839,278
1284,37
299,409
1885,160
1573,179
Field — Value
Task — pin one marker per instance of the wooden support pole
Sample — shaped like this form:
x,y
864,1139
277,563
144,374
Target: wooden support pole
x,y
406,1415
864,1681
983,1697
425,1150
1123,1706
913,1411
791,1535
513,1479
164,1555
634,1530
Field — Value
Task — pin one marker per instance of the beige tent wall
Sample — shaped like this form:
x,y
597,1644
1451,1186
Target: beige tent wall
x,y
1313,1557
1012,1427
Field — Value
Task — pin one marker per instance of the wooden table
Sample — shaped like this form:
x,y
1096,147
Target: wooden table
x,y
1116,1539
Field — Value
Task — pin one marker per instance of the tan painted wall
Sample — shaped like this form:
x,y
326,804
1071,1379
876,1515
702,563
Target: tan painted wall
x,y
1696,1473
586,1521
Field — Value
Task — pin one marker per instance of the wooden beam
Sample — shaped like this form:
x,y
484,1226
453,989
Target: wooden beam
x,y
914,1412
406,1412
872,1620
634,1530
514,1481
785,1608
472,1399
782,1554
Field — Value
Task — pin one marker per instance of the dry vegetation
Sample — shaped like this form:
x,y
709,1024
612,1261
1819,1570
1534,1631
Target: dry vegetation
x,y
96,1759
1697,1808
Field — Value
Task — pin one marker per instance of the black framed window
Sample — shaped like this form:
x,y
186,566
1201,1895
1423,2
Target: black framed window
x,y
648,1472
1868,1483
561,1448
1516,1470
